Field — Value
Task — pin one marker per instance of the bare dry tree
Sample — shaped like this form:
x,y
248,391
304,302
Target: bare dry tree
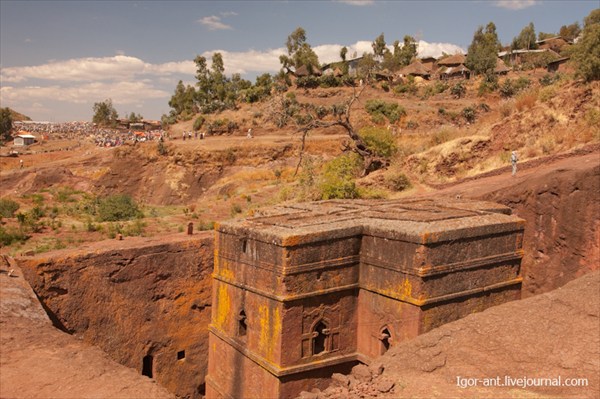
x,y
341,117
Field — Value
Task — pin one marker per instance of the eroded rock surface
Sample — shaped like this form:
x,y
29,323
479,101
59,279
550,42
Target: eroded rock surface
x,y
39,361
144,301
553,335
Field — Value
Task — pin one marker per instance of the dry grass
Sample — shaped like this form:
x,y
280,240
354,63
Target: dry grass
x,y
526,100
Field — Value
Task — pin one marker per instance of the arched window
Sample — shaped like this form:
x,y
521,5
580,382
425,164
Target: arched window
x,y
242,326
320,338
385,337
147,366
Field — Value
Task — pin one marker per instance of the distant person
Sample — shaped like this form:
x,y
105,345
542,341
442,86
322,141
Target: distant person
x,y
20,164
249,133
513,160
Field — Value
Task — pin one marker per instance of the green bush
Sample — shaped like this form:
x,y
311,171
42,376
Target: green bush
x,y
458,90
118,207
338,177
549,78
392,111
409,87
330,81
398,182
469,114
199,122
380,141
308,82
8,207
10,235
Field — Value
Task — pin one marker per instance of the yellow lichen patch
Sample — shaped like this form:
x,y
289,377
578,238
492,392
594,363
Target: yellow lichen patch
x,y
226,274
406,288
223,307
270,328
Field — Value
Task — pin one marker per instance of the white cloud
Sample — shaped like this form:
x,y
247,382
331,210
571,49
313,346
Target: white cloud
x,y
214,23
229,14
359,3
425,49
515,4
118,67
120,92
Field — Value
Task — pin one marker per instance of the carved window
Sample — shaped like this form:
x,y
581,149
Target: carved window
x,y
242,326
147,366
320,338
385,337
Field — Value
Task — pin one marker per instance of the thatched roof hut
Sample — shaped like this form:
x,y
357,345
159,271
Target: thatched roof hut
x,y
304,71
415,69
453,60
501,68
456,72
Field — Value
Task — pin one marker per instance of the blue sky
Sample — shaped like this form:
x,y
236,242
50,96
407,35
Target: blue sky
x,y
58,58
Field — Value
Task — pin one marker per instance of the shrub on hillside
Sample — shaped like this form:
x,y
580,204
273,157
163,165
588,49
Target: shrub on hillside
x,y
199,122
379,108
10,234
8,207
469,114
118,207
398,181
330,81
380,141
338,177
308,82
458,90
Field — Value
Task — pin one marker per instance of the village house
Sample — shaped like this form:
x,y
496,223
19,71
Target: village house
x,y
415,69
556,44
453,67
23,139
557,65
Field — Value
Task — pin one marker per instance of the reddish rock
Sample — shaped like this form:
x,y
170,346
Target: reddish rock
x,y
39,361
362,373
145,302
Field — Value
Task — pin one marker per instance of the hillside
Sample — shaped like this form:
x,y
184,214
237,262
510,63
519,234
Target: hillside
x,y
435,142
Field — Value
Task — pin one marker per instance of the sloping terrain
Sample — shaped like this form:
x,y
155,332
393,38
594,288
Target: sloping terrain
x,y
39,361
492,354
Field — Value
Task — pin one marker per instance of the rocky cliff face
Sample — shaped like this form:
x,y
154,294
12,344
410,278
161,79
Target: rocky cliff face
x,y
562,234
145,302
39,361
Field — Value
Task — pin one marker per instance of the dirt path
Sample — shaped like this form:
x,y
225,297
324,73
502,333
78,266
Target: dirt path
x,y
479,186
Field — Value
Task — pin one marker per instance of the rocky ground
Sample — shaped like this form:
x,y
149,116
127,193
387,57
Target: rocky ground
x,y
39,361
553,335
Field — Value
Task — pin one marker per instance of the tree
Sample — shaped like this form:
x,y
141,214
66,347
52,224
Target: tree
x,y
483,51
340,113
570,32
133,118
366,65
6,123
299,53
379,47
215,91
105,114
182,101
526,39
343,53
408,51
587,51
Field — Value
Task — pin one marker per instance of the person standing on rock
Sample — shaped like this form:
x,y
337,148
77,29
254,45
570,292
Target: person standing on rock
x,y
513,160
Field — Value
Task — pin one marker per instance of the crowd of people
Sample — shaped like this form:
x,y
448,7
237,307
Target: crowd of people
x,y
102,136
